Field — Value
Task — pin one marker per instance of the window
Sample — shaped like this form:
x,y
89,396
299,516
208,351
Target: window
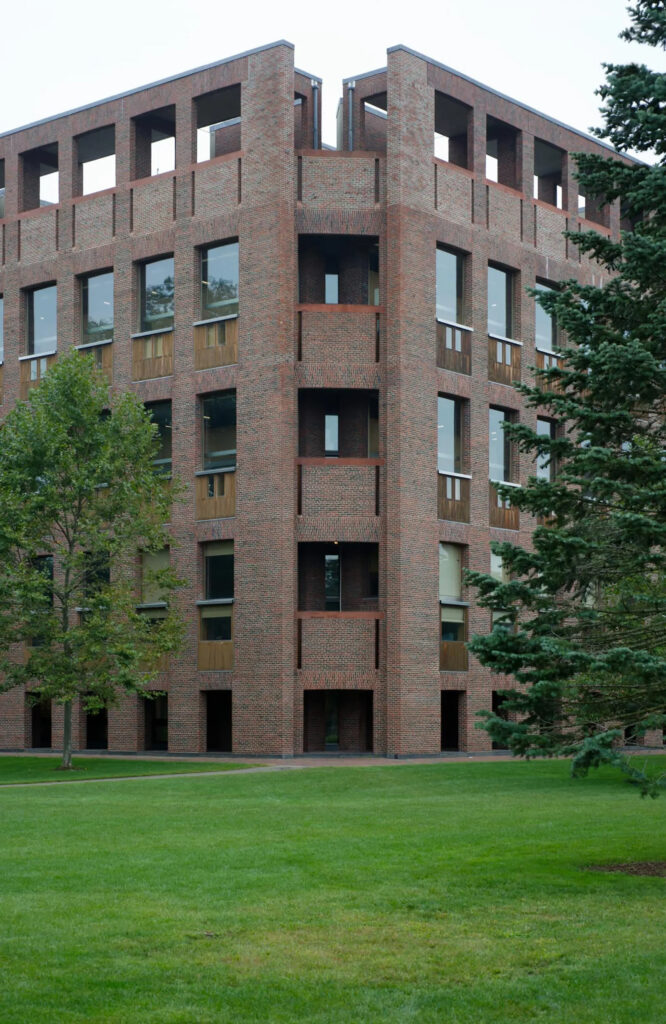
x,y
160,413
499,449
153,563
449,286
449,435
500,302
332,582
97,307
42,320
452,608
452,122
219,586
331,434
498,571
545,327
545,468
97,573
218,122
219,430
2,329
157,295
154,142
219,280
331,281
39,177
548,164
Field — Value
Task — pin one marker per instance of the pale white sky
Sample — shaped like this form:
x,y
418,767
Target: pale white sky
x,y
546,53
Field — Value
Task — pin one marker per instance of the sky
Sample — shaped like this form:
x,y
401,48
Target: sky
x,y
545,53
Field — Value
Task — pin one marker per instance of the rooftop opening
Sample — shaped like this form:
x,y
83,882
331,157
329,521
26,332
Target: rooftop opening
x,y
452,120
375,114
39,170
338,269
96,159
548,164
217,119
501,153
154,142
593,208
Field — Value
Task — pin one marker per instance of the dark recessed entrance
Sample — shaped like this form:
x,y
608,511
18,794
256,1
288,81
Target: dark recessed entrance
x,y
337,720
97,730
40,717
156,723
218,720
452,712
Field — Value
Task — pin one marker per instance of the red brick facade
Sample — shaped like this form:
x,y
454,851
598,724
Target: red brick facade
x,y
377,656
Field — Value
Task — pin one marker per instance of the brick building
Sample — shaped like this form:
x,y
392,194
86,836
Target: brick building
x,y
327,340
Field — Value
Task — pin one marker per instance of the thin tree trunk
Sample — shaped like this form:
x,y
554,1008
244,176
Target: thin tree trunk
x,y
67,736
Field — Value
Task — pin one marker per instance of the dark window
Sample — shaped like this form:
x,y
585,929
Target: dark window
x,y
97,302
332,582
157,295
449,282
219,430
216,620
544,463
219,280
42,320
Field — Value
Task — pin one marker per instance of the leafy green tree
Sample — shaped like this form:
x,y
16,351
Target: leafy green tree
x,y
586,606
80,497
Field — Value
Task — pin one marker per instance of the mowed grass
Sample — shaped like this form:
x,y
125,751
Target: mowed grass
x,y
46,769
443,893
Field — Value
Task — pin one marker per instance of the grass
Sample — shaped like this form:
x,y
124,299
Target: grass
x,y
442,893
46,769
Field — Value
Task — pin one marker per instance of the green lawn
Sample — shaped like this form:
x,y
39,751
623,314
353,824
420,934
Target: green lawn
x,y
440,894
45,769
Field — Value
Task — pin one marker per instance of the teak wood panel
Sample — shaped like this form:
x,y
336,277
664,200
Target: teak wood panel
x,y
223,503
453,656
454,349
32,371
215,344
216,655
152,356
502,372
453,498
502,513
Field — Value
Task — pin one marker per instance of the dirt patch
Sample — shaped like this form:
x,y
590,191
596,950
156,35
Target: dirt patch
x,y
656,868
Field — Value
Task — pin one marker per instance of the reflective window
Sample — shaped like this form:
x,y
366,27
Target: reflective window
x,y
544,464
500,294
545,329
219,280
219,430
157,295
449,435
449,286
331,434
42,320
499,449
97,302
332,582
160,413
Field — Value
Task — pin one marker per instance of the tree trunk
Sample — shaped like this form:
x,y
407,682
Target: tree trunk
x,y
67,736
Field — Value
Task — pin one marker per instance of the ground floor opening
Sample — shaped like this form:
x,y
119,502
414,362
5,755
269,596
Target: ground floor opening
x,y
40,721
218,721
452,721
97,730
156,723
337,720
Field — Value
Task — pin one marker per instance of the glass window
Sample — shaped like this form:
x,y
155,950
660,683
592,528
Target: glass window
x,y
153,562
219,280
2,329
157,295
497,570
500,296
97,300
453,623
219,430
544,464
42,320
219,570
332,582
545,329
216,622
499,448
449,286
160,413
331,434
332,282
450,572
449,435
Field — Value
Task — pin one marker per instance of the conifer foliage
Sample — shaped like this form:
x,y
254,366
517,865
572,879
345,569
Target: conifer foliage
x,y
585,627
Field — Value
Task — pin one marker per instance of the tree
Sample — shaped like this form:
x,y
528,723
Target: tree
x,y
80,497
585,610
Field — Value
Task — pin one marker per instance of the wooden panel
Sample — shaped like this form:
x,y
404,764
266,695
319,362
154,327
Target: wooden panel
x,y
216,654
454,348
103,356
453,656
32,371
152,356
215,344
499,369
453,498
544,360
222,502
502,514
